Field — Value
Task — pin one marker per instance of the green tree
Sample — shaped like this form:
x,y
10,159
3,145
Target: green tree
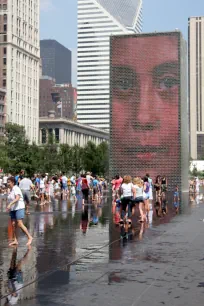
x,y
35,156
49,157
17,148
90,158
4,160
17,153
65,157
95,158
77,159
103,158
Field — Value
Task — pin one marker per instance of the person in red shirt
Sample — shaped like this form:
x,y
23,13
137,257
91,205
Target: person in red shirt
x,y
85,188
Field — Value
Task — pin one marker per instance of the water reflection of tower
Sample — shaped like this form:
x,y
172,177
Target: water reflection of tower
x,y
115,250
58,249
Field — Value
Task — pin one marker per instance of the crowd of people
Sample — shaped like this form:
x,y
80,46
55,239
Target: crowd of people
x,y
131,196
135,195
194,185
19,190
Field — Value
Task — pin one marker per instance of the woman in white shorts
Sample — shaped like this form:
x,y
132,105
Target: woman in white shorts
x,y
138,197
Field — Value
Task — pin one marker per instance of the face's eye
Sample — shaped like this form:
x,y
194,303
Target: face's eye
x,y
122,83
123,79
167,83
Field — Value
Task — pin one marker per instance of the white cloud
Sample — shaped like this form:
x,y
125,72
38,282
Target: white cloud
x,y
46,5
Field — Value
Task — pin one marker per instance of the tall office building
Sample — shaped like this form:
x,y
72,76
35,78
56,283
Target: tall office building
x,y
56,61
97,21
196,86
19,63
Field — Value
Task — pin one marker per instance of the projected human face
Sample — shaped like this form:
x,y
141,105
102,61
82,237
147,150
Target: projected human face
x,y
145,93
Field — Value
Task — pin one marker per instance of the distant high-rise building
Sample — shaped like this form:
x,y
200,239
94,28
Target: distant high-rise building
x,y
196,86
19,63
65,93
97,21
56,61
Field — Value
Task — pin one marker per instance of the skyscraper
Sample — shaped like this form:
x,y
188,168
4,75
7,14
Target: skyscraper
x,y
56,61
19,66
196,86
97,21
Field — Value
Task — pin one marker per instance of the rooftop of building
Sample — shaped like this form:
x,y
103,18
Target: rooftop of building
x,y
51,43
124,12
55,120
195,17
176,31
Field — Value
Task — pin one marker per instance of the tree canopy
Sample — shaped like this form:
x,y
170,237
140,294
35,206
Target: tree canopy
x,y
16,153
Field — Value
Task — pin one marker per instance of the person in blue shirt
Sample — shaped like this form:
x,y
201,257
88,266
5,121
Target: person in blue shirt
x,y
176,199
37,181
16,179
95,183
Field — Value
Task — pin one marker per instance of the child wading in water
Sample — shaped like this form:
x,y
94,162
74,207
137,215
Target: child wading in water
x,y
176,199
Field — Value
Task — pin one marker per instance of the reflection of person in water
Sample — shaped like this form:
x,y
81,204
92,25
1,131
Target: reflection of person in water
x,y
84,219
15,277
94,215
164,207
158,208
145,104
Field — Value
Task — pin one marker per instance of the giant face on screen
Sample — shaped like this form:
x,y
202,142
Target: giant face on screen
x,y
145,112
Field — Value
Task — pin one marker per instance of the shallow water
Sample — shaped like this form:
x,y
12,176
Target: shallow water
x,y
73,245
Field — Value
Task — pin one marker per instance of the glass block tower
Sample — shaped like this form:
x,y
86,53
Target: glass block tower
x,y
98,20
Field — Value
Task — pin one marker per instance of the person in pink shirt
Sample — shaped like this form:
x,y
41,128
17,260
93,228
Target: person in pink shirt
x,y
118,182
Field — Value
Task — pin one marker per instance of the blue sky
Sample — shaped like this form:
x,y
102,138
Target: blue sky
x,y
59,19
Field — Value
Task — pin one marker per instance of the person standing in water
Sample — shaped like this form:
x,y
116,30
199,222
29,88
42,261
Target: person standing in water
x,y
150,187
16,206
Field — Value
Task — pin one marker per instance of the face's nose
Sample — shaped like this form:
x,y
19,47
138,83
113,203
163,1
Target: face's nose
x,y
146,114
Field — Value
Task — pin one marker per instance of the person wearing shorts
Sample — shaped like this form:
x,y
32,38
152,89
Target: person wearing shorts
x,y
138,197
42,189
64,184
127,191
16,207
26,185
95,189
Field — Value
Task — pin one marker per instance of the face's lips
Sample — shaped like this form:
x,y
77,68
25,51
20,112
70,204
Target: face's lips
x,y
146,149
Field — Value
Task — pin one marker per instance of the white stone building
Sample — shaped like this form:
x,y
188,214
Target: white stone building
x,y
97,21
20,61
69,132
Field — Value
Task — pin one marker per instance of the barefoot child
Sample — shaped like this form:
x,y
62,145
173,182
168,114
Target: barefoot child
x,y
16,207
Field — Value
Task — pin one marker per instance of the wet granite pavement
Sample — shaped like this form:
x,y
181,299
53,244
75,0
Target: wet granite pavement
x,y
74,262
